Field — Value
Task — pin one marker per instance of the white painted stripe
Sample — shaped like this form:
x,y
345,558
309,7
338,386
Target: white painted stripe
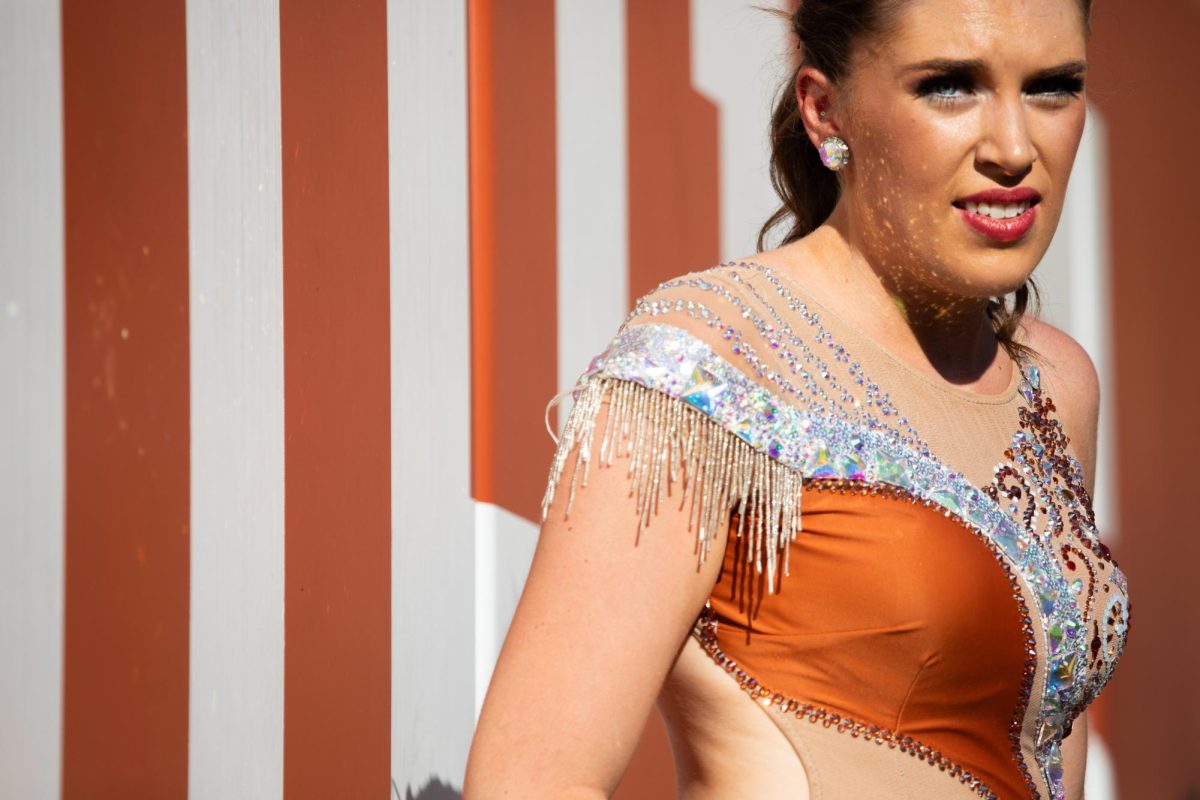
x,y
235,733
433,604
31,404
592,182
504,545
1090,270
1053,274
1074,278
739,54
487,638
1100,779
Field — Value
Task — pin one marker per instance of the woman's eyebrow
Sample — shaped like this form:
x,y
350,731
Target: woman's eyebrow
x,y
976,65
1069,68
946,65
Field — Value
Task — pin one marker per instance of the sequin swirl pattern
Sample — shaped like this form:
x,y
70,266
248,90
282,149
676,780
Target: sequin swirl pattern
x,y
1042,485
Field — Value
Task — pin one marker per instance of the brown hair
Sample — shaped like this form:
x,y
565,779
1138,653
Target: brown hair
x,y
826,30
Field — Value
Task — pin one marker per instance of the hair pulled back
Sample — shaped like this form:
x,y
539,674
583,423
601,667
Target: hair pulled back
x,y
826,32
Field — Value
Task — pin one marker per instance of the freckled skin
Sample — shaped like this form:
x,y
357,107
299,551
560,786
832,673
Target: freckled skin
x,y
916,154
895,241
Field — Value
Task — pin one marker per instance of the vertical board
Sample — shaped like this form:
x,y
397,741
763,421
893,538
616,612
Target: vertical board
x,y
125,679
740,53
1134,67
235,741
592,182
31,404
432,511
513,248
674,188
337,669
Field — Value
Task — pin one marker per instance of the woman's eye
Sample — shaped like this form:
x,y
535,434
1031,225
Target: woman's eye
x,y
944,88
1057,88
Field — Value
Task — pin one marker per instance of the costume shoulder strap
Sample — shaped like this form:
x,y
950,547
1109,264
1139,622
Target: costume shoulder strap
x,y
728,383
681,413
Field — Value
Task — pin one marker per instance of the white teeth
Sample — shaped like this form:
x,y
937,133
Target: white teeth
x,y
998,210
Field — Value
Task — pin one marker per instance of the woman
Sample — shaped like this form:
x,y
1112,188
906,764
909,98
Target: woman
x,y
830,503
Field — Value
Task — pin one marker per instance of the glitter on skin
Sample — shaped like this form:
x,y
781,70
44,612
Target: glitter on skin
x,y
895,233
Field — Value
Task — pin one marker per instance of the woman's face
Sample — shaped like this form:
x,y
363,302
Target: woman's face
x,y
962,112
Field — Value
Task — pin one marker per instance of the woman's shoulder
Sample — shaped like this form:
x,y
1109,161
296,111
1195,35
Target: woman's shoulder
x,y
682,384
709,282
1070,380
742,292
700,305
1070,368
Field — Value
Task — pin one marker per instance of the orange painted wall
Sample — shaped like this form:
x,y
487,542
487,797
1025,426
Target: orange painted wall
x,y
514,332
125,681
1143,81
674,191
337,408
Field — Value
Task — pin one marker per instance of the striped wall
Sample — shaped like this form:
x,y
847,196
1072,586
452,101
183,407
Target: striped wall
x,y
285,287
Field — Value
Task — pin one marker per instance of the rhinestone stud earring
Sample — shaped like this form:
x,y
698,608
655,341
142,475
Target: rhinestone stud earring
x,y
835,153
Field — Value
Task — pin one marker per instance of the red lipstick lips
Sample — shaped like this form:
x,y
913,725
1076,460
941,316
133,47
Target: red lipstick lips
x,y
1003,215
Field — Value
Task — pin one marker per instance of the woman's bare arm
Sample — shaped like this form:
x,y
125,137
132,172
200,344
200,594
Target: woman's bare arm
x,y
598,626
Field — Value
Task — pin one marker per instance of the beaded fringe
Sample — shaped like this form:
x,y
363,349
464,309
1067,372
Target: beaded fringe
x,y
667,441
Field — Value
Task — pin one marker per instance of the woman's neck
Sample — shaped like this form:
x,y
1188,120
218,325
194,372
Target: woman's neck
x,y
952,335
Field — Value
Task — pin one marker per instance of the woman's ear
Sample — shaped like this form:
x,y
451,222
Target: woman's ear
x,y
816,96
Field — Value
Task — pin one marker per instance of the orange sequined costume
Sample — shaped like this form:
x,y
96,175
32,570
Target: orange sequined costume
x,y
913,586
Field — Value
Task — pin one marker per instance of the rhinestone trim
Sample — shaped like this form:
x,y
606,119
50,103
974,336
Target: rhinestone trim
x,y
669,441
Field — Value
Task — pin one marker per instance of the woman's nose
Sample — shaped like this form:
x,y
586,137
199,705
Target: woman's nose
x,y
1005,143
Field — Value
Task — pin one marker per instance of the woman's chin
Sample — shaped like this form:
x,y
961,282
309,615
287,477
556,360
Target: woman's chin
x,y
981,276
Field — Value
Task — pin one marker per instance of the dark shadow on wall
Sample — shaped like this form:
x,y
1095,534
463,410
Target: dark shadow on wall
x,y
434,790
